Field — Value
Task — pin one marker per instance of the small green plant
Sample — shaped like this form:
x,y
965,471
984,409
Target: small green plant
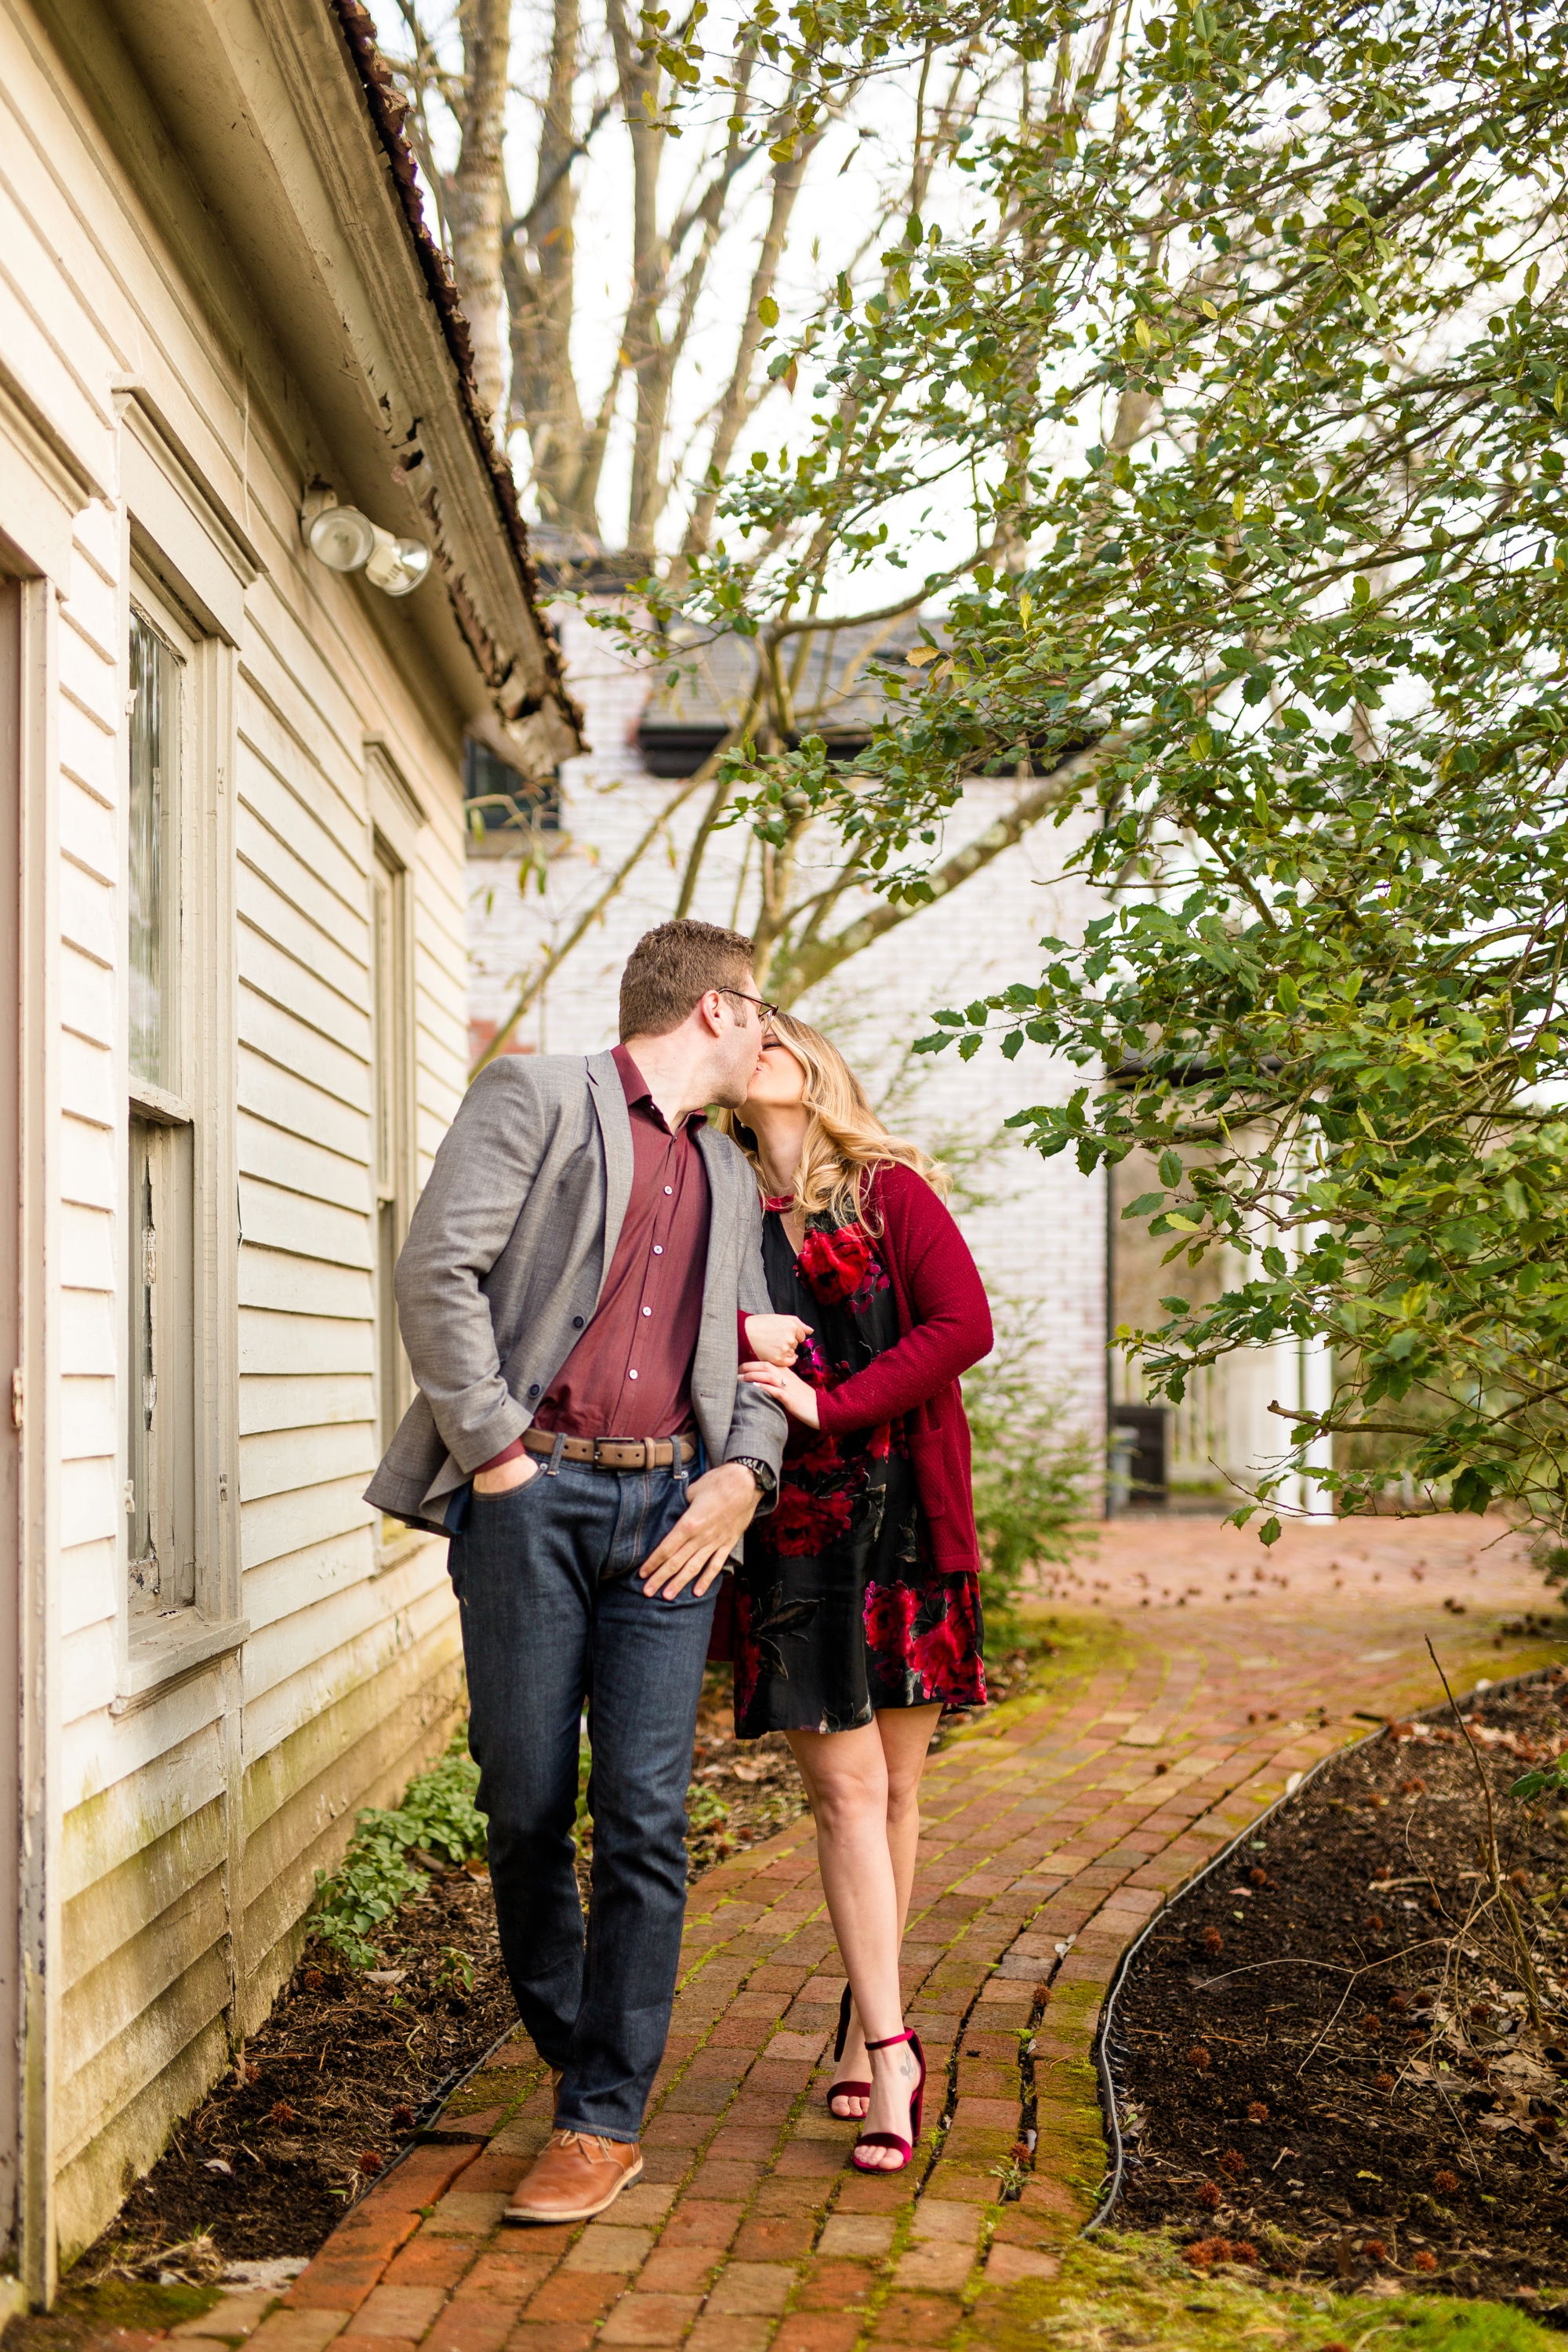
x,y
1013,2172
454,1971
1549,1776
437,1818
704,1811
1031,1472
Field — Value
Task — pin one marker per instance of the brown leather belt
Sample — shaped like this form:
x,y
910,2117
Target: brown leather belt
x,y
614,1452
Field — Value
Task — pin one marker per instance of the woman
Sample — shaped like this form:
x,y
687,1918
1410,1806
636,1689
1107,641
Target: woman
x,y
858,1609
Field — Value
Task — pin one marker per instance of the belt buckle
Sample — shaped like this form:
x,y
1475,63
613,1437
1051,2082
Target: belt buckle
x,y
597,1464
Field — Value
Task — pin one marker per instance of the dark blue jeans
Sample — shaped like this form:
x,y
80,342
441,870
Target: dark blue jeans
x,y
553,1613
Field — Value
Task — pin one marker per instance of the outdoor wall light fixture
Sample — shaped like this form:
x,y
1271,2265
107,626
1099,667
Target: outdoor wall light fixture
x,y
347,540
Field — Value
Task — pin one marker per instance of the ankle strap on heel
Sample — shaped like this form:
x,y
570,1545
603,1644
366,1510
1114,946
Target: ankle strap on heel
x,y
891,2040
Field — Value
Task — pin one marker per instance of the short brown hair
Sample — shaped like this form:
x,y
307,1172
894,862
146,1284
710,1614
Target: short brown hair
x,y
670,970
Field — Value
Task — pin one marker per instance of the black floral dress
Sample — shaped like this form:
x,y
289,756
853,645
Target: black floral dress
x,y
839,1609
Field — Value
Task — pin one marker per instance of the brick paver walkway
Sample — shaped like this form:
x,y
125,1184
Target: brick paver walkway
x,y
1051,1836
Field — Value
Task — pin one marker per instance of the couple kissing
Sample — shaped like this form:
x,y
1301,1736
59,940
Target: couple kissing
x,y
689,1388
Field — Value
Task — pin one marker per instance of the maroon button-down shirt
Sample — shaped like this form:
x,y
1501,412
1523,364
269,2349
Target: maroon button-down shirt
x,y
629,1375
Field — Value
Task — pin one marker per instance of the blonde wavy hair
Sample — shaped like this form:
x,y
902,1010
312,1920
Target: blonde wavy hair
x,y
844,1139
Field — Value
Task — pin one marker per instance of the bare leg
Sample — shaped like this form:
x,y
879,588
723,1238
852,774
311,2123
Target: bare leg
x,y
906,1734
864,1787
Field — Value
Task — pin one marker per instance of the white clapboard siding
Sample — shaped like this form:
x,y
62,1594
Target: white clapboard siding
x,y
87,1655
297,1579
304,1225
88,1584
194,1816
290,1284
87,991
302,1401
302,1164
287,1461
277,1345
267,1027
274,1092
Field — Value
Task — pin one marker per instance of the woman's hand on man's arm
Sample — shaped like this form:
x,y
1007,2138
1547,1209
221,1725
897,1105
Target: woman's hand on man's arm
x,y
797,1397
774,1338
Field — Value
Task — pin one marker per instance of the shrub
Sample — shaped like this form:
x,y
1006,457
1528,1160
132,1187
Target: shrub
x,y
1031,1472
377,1877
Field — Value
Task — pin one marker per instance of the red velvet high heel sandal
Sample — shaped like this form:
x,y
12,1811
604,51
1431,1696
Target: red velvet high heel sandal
x,y
845,2090
917,2109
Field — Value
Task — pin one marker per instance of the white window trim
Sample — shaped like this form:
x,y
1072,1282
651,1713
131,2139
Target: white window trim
x,y
152,1652
397,820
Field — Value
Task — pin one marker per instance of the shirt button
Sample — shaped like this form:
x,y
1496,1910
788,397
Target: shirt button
x,y
659,1249
631,1376
648,1310
669,1188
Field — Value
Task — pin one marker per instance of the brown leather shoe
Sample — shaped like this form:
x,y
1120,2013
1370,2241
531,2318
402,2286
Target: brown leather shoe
x,y
575,2176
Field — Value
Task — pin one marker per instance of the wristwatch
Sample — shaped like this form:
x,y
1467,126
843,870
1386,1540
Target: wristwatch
x,y
767,1482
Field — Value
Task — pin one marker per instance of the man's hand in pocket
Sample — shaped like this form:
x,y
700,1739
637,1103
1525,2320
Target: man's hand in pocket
x,y
719,1508
505,1476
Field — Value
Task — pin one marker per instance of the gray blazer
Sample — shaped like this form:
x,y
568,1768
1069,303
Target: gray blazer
x,y
506,1256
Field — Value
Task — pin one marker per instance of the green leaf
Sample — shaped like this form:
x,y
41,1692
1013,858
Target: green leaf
x,y
768,311
1471,1491
1268,1533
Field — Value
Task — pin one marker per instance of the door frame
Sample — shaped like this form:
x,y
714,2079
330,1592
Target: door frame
x,y
29,1416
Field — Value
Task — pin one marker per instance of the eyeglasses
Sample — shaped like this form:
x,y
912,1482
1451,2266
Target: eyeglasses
x,y
767,1013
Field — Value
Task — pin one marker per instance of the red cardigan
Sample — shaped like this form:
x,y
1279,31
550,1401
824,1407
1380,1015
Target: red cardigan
x,y
945,1326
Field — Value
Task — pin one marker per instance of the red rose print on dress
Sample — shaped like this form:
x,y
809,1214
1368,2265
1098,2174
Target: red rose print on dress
x,y
946,1657
803,1522
841,1266
890,1612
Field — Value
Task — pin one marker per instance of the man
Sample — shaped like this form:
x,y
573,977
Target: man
x,y
568,1296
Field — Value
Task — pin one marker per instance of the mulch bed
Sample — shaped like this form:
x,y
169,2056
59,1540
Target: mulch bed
x,y
345,2069
1324,2057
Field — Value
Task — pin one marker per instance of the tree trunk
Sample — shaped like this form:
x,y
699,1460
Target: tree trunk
x,y
478,196
641,339
540,276
737,403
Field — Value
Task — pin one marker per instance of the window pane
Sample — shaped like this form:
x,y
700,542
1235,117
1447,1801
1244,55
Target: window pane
x,y
142,1384
154,739
389,1107
384,1022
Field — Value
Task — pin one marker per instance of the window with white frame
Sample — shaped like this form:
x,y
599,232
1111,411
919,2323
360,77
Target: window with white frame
x,y
161,1518
391,1117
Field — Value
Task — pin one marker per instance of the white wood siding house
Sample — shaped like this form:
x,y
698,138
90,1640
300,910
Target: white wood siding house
x,y
232,954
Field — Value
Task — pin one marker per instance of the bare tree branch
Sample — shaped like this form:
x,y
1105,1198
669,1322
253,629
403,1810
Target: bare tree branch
x,y
803,968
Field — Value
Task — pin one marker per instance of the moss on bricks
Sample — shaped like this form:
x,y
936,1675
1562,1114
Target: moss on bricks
x,y
1134,2294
